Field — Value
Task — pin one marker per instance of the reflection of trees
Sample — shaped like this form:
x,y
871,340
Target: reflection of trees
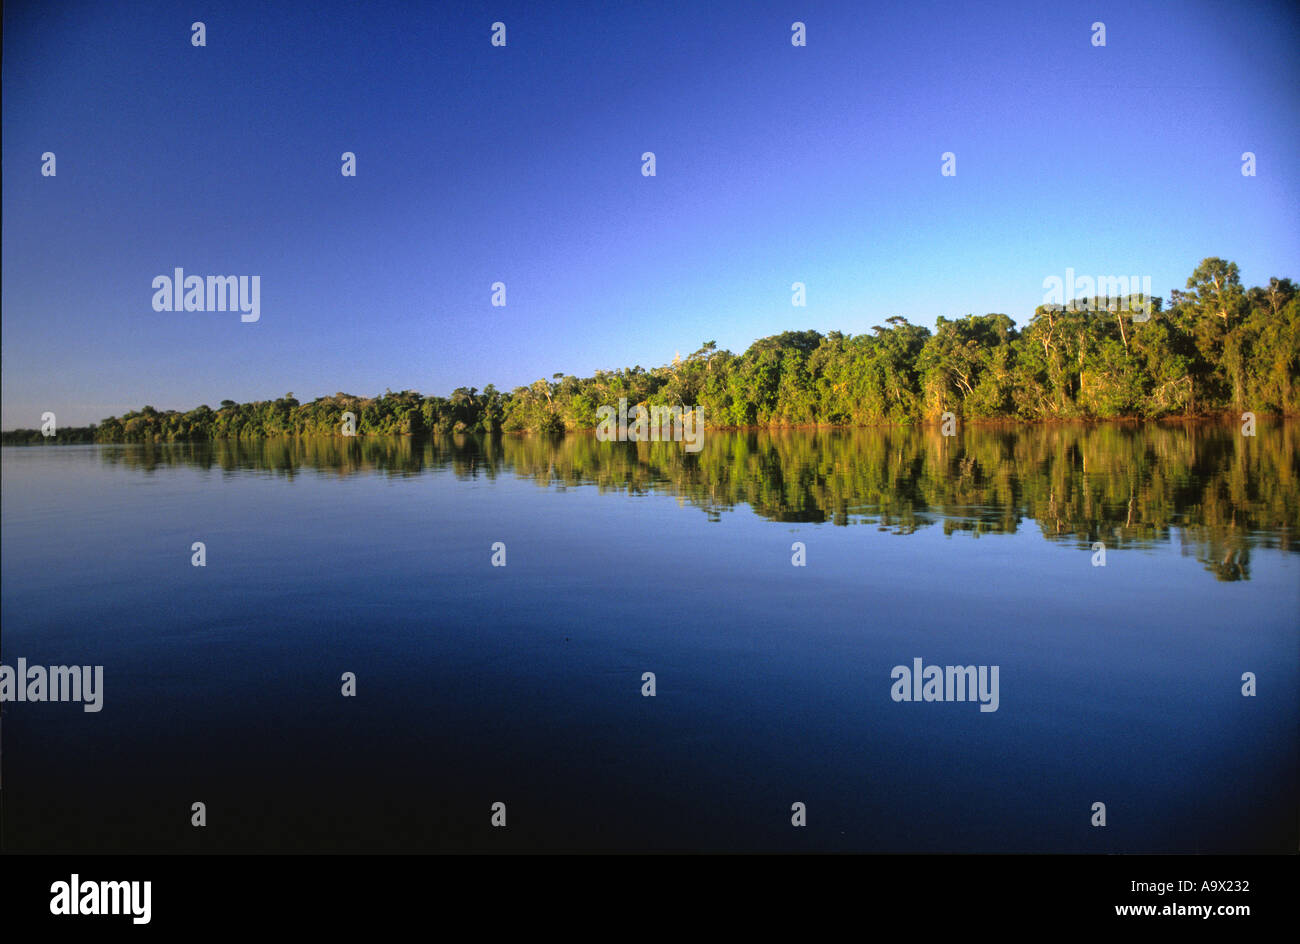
x,y
1217,493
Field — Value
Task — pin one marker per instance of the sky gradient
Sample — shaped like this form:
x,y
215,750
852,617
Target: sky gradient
x,y
522,164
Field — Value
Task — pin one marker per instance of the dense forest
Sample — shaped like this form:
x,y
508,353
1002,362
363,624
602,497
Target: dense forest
x,y
1215,347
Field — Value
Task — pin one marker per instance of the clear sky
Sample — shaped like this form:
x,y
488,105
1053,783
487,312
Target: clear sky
x,y
522,164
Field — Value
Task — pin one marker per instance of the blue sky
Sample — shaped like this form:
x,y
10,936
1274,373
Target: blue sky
x,y
521,164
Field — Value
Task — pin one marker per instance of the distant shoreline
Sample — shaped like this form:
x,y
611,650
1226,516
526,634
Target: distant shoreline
x,y
1219,349
83,436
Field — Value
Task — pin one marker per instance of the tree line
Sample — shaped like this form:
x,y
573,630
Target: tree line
x,y
1216,346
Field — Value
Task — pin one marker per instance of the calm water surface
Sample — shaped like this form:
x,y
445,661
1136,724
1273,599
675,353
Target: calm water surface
x,y
522,684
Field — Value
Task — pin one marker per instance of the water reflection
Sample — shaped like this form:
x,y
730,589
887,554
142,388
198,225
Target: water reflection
x,y
1215,493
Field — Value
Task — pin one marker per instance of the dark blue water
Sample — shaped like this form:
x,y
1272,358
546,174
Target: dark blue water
x,y
522,684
